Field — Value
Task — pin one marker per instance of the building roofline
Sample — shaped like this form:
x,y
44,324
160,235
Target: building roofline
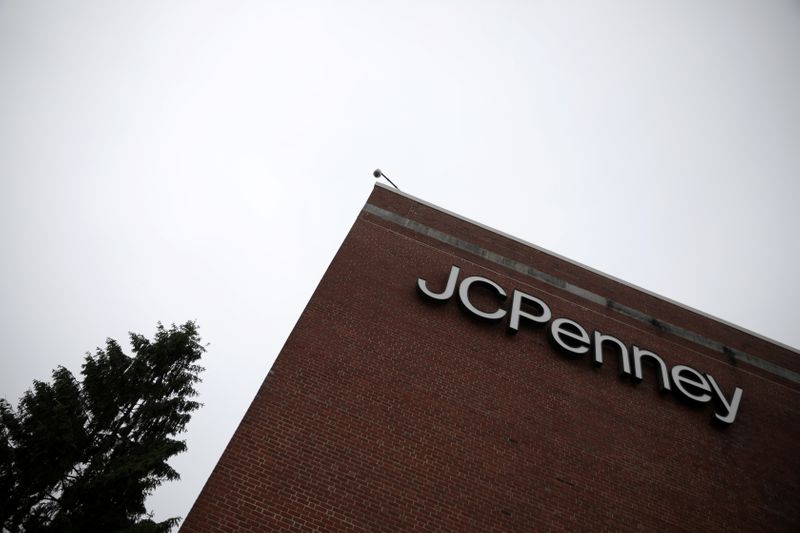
x,y
585,267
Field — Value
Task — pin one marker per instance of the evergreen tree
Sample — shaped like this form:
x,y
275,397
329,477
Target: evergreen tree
x,y
84,455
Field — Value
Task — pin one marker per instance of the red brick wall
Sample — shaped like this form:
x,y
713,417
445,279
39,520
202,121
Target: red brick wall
x,y
386,412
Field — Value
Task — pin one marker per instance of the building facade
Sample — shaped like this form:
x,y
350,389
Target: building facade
x,y
447,377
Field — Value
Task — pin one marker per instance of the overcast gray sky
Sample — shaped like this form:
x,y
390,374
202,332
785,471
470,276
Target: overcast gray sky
x,y
204,160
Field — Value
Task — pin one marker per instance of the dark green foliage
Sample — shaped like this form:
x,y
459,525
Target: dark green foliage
x,y
83,456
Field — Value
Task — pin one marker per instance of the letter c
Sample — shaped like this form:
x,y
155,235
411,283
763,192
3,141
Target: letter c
x,y
463,294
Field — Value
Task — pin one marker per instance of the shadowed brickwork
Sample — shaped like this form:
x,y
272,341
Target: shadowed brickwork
x,y
387,412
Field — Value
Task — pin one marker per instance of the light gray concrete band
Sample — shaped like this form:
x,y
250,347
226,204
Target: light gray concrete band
x,y
734,354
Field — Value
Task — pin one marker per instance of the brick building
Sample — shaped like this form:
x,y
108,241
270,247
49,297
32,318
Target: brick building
x,y
447,377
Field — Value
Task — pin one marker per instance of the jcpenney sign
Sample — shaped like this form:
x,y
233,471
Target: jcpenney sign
x,y
574,340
